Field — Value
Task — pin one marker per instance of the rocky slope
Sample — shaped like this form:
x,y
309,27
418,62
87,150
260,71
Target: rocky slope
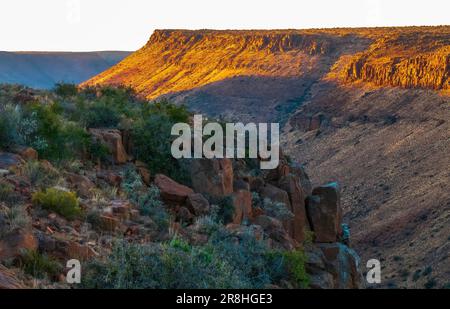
x,y
368,107
44,69
223,224
314,227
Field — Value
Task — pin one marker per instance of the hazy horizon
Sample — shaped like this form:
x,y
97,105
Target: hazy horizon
x,y
117,25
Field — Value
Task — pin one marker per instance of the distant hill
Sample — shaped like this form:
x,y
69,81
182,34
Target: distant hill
x,y
44,69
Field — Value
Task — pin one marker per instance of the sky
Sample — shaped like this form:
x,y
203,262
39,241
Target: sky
x,y
90,25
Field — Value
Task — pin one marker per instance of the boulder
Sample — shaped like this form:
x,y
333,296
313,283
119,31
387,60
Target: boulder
x,y
212,177
344,265
74,250
299,171
278,195
316,268
26,153
274,229
198,204
110,177
324,213
12,245
171,191
108,223
145,174
242,202
297,197
9,160
121,209
82,184
8,279
184,215
112,139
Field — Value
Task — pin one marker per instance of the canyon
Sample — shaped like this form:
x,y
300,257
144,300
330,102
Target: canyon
x,y
368,107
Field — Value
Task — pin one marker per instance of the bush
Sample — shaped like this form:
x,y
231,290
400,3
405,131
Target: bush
x,y
101,115
274,209
62,202
295,263
65,90
55,138
15,217
39,175
8,195
40,265
172,265
147,199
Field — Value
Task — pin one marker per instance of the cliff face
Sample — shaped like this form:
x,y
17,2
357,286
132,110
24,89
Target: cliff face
x,y
174,61
180,60
411,61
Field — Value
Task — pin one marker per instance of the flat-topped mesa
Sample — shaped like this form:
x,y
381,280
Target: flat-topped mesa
x,y
273,68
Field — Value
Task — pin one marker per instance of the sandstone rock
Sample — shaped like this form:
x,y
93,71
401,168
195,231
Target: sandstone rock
x,y
299,171
344,264
198,204
184,215
74,250
108,223
213,177
143,170
325,213
240,230
82,184
9,160
12,245
110,177
240,184
242,202
145,174
171,191
275,231
8,279
26,153
277,173
275,194
278,195
121,209
256,183
112,139
291,185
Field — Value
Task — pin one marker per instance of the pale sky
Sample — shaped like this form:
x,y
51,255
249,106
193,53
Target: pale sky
x,y
88,25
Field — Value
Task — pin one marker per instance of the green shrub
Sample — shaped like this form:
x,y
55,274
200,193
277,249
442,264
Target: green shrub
x,y
65,90
39,175
171,265
101,115
295,263
62,202
56,138
147,199
40,265
223,211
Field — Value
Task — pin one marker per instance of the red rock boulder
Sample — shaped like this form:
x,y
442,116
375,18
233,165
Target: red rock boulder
x,y
172,191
